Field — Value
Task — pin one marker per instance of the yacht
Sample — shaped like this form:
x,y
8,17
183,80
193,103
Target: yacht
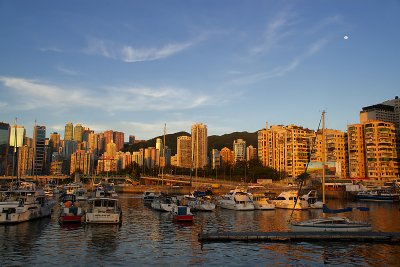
x,y
237,199
379,195
262,202
103,210
163,203
198,203
287,200
149,195
24,203
312,200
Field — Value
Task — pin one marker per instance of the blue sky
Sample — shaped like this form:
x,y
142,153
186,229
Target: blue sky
x,y
132,66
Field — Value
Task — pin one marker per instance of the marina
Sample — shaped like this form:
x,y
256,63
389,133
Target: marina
x,y
146,236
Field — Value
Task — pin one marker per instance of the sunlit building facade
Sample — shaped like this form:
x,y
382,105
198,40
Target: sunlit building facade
x,y
199,145
184,152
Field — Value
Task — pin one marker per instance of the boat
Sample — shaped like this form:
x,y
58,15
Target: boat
x,y
330,224
24,203
383,194
182,214
237,199
163,203
149,195
103,210
290,200
333,224
262,202
312,200
71,210
202,203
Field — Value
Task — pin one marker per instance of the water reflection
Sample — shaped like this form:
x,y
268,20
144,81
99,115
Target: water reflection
x,y
148,237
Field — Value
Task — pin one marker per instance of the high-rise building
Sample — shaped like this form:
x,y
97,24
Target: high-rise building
x,y
138,157
215,159
199,145
227,156
372,150
82,162
184,151
108,137
131,139
335,150
111,150
25,161
251,153
239,149
4,147
69,131
55,141
119,140
285,148
17,136
78,133
39,139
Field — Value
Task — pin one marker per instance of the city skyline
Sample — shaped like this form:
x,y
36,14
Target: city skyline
x,y
133,66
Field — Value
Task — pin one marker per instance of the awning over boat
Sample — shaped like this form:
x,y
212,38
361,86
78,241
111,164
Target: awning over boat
x,y
325,209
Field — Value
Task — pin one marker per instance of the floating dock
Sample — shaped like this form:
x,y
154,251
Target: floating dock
x,y
382,237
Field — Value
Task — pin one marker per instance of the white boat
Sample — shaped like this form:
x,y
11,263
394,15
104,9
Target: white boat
x,y
163,203
236,199
290,200
262,202
24,204
149,195
103,210
382,194
312,200
331,224
198,203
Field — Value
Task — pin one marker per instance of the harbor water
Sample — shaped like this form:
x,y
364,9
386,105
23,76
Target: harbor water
x,y
147,237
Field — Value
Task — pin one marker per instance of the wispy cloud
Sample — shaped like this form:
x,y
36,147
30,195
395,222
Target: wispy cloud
x,y
51,49
279,28
67,71
281,70
35,94
131,54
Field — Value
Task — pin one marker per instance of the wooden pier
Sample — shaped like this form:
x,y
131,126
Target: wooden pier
x,y
380,237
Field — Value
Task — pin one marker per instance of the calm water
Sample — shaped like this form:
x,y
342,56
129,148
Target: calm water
x,y
148,237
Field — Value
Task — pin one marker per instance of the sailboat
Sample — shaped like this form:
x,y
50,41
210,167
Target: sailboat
x,y
334,223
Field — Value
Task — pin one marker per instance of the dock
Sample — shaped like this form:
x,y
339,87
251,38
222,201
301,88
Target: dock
x,y
379,237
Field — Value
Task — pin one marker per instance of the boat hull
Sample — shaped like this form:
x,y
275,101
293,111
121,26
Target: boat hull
x,y
333,228
103,218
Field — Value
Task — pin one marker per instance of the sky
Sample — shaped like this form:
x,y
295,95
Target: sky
x,y
234,65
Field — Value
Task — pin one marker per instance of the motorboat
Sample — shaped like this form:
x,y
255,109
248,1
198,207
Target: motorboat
x,y
182,214
24,203
312,200
198,203
331,224
163,203
148,196
71,210
379,195
103,210
290,200
262,202
237,199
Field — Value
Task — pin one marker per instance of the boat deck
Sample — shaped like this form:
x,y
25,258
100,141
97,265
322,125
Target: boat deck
x,y
383,237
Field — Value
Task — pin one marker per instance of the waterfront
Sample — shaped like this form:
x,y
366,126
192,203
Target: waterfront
x,y
148,237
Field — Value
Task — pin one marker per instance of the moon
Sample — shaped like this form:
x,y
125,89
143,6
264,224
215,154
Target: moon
x,y
346,37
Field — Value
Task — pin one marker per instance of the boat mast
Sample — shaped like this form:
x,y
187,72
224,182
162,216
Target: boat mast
x,y
323,156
